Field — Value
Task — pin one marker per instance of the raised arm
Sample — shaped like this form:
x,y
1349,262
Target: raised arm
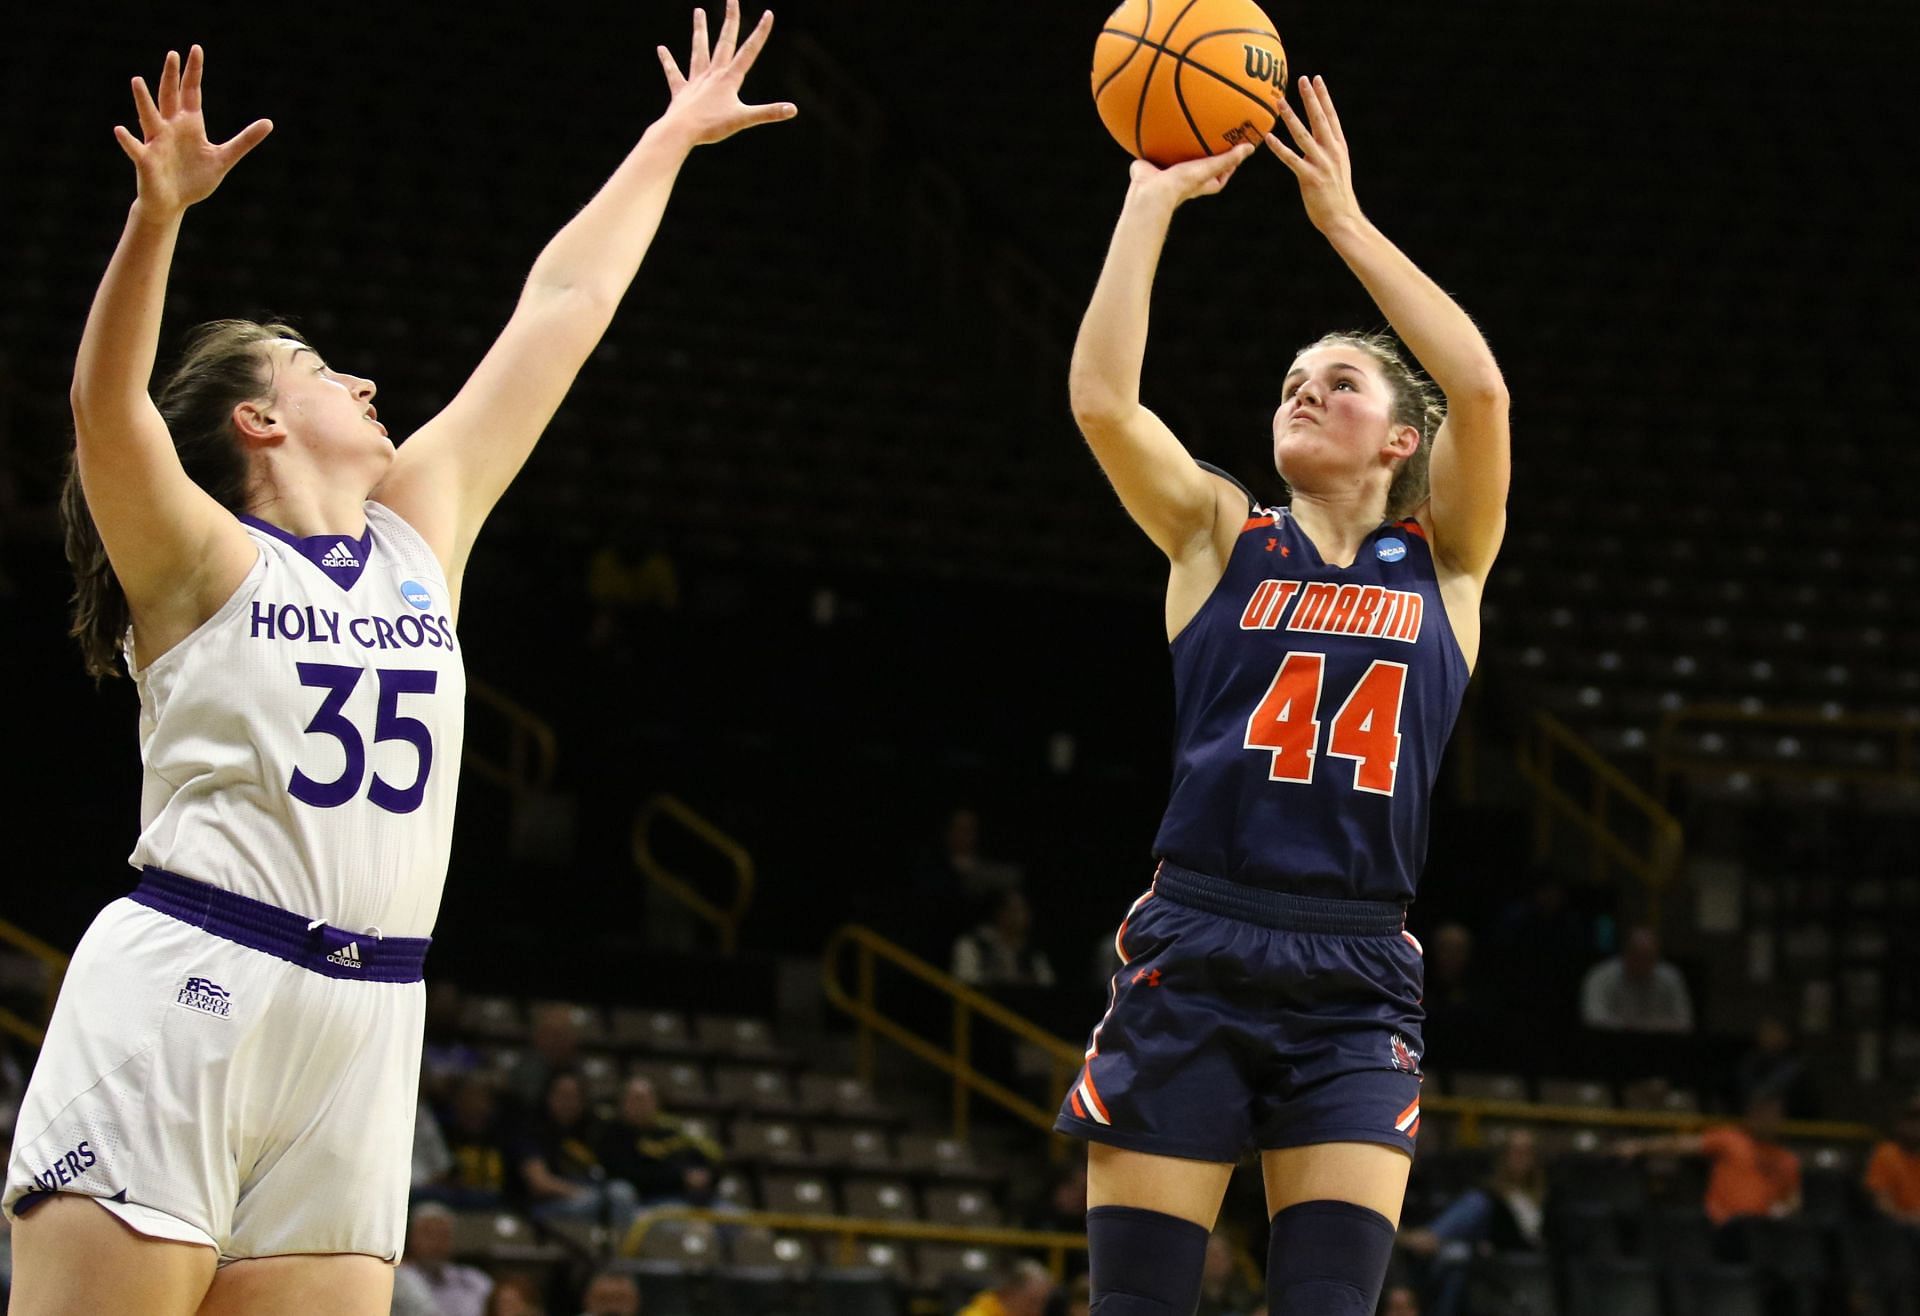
x,y
1472,462
1168,496
176,552
447,477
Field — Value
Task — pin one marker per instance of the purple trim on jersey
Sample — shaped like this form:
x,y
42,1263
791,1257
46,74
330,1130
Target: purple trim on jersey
x,y
342,557
326,950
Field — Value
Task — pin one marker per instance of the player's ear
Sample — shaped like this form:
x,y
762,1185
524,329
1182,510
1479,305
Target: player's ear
x,y
1402,442
256,425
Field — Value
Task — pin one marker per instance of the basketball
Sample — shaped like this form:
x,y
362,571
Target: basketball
x,y
1178,82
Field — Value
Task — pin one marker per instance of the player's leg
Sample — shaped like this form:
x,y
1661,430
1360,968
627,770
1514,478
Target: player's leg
x,y
73,1258
1334,1207
1148,1218
338,1285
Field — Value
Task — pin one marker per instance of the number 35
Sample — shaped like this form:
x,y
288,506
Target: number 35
x,y
388,724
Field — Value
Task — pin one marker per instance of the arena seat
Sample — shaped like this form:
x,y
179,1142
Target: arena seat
x,y
856,1291
879,1199
1611,1286
1519,1283
1719,1290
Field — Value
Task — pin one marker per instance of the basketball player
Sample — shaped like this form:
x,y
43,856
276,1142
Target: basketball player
x,y
1269,997
222,1116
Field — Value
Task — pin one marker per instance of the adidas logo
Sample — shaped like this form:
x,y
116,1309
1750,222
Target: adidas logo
x,y
340,556
347,957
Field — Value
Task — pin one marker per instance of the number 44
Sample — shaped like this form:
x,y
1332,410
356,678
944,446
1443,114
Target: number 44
x,y
1366,729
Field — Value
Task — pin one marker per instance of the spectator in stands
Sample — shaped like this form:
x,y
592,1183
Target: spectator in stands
x,y
445,1056
1636,991
1460,1025
961,871
999,953
1080,1297
1400,1300
1224,1290
1538,946
1893,1171
1752,1175
1023,1290
559,1167
428,1266
611,1293
1777,1067
432,1161
556,1047
652,1152
516,1295
1503,1215
477,1148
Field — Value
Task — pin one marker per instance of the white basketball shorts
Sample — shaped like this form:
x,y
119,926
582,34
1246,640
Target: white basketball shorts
x,y
216,1072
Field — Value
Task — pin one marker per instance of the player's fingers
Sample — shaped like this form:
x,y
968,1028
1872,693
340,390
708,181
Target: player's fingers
x,y
1286,153
729,32
170,85
245,140
674,79
751,47
1316,113
773,113
1333,115
148,111
190,83
1302,137
128,143
697,61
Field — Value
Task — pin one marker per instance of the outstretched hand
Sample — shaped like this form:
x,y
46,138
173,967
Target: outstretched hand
x,y
1191,178
173,159
706,99
1322,166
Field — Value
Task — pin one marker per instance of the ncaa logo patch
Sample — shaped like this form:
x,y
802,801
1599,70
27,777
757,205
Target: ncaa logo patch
x,y
1390,549
206,996
416,594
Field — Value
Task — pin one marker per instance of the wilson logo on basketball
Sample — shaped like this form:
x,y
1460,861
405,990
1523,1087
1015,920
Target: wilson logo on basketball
x,y
1263,66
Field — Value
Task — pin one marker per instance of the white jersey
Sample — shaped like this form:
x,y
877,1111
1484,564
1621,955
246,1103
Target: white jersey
x,y
302,746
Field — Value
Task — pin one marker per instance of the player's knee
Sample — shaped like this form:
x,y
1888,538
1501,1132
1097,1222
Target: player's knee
x,y
1144,1263
1327,1259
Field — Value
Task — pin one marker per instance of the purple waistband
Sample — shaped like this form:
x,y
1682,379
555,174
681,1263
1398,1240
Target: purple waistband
x,y
324,949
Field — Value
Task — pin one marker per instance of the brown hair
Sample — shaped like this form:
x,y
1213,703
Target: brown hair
x,y
1416,402
223,364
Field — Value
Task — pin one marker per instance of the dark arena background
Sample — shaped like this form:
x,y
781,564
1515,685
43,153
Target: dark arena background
x,y
811,629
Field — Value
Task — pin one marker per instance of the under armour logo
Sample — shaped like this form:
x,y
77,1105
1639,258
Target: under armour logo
x,y
1151,976
1271,541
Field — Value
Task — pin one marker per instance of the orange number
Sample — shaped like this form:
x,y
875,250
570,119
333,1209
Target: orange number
x,y
1284,722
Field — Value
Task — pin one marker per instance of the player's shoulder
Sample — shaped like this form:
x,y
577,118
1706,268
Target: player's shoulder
x,y
1242,494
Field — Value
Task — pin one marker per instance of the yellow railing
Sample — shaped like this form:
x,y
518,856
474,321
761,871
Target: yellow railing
x,y
1600,802
848,1228
1902,737
1471,1111
725,918
531,750
956,1058
31,1031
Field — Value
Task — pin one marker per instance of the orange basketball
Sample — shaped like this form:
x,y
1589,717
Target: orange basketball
x,y
1177,81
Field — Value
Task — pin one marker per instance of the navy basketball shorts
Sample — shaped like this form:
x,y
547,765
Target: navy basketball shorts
x,y
1250,1019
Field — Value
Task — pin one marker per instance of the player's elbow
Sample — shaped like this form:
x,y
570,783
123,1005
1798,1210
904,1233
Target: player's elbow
x,y
1484,393
1099,409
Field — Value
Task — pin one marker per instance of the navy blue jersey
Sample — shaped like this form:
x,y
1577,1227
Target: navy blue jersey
x,y
1311,706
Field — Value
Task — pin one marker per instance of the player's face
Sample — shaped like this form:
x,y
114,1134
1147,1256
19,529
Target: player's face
x,y
326,410
1335,418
